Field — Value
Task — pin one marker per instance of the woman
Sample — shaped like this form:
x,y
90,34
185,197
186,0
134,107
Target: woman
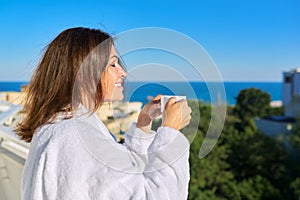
x,y
72,154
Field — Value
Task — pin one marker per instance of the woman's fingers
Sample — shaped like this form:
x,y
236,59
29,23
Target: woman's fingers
x,y
154,111
177,114
186,113
171,101
157,97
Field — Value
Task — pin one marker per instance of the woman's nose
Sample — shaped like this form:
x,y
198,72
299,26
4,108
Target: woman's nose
x,y
122,72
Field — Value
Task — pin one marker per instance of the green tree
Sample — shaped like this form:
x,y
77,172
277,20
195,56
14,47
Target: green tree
x,y
294,139
295,186
260,164
279,111
244,163
211,178
258,187
252,102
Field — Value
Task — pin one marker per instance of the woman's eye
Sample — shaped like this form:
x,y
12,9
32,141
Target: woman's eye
x,y
113,65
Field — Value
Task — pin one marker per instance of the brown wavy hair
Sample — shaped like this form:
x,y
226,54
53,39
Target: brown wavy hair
x,y
72,64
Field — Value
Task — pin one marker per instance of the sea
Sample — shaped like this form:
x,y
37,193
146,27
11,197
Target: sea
x,y
207,92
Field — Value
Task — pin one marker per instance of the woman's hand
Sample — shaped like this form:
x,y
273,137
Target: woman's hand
x,y
148,113
177,114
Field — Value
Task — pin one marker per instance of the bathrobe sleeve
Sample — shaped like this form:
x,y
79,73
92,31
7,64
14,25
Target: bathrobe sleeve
x,y
166,174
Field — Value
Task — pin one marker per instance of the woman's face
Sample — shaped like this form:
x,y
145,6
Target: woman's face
x,y
112,78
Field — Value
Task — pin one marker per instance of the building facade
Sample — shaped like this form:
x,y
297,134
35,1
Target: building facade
x,y
280,125
291,93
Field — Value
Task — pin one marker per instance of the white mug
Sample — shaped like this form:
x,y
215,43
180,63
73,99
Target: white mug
x,y
165,98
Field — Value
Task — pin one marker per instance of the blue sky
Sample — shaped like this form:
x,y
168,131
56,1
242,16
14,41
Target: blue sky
x,y
248,40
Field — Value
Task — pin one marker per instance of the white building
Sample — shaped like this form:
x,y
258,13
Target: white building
x,y
291,93
275,125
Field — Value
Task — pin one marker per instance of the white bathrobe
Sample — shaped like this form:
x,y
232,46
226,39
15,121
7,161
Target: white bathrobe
x,y
78,158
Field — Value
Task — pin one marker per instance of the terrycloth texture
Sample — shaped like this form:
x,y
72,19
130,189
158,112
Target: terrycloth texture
x,y
77,158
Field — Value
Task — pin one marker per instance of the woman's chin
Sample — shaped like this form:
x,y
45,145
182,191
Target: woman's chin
x,y
114,98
